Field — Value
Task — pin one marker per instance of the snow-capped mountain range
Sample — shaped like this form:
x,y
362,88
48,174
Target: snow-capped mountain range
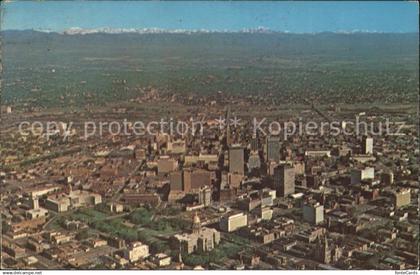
x,y
107,30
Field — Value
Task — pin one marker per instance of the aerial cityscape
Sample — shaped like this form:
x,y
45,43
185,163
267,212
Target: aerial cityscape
x,y
236,146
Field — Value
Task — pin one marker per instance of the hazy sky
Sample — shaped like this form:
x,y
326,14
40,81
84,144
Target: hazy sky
x,y
296,17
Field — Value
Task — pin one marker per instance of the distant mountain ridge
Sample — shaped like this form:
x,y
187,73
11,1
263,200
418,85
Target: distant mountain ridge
x,y
107,30
363,67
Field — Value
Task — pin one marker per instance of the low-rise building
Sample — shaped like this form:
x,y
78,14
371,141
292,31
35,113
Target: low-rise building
x,y
402,197
161,259
36,213
136,251
116,207
265,213
357,175
73,199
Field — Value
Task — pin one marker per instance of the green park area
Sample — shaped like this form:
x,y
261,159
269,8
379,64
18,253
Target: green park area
x,y
141,224
145,225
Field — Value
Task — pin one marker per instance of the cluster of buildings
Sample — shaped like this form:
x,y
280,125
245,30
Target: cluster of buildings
x,y
200,239
308,202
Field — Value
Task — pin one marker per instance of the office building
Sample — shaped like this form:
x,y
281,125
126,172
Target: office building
x,y
194,179
236,159
284,180
254,161
175,180
273,149
313,213
166,165
367,145
73,199
204,196
254,143
233,221
265,213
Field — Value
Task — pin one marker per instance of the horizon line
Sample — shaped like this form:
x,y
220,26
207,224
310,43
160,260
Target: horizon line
x,y
153,30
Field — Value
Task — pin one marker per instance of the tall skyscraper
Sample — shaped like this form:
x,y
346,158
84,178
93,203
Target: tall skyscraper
x,y
228,134
254,161
254,143
236,159
175,180
367,145
273,149
204,196
284,180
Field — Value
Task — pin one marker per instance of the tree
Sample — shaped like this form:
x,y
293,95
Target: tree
x,y
82,235
158,247
140,216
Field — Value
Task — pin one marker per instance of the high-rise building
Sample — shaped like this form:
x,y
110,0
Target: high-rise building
x,y
254,161
254,143
175,180
194,179
236,159
284,180
273,149
228,133
367,145
204,196
323,251
186,179
313,213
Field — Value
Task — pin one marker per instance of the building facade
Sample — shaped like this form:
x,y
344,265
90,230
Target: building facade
x,y
284,180
273,149
236,160
233,221
313,213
